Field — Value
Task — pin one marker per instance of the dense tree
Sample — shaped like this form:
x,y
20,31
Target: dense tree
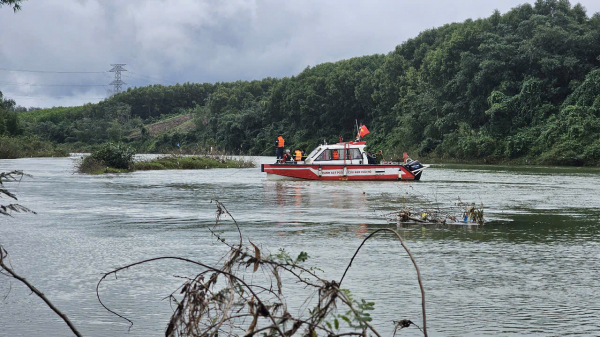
x,y
9,122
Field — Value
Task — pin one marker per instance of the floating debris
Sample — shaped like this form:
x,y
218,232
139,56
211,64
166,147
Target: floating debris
x,y
461,212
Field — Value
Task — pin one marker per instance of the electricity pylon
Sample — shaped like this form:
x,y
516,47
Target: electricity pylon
x,y
117,69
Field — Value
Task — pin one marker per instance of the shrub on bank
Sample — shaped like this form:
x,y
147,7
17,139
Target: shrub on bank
x,y
191,163
119,156
567,153
109,158
23,147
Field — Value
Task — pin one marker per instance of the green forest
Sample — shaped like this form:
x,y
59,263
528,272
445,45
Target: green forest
x,y
519,87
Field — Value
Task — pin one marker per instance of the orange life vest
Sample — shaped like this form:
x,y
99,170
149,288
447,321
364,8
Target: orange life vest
x,y
336,155
280,141
298,155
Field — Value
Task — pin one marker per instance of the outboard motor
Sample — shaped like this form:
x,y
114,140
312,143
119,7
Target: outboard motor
x,y
415,167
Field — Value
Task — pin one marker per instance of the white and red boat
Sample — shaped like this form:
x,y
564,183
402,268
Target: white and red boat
x,y
343,161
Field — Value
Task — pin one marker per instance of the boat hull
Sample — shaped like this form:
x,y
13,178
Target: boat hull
x,y
339,172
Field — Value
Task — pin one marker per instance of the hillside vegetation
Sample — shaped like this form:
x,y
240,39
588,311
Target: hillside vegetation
x,y
522,86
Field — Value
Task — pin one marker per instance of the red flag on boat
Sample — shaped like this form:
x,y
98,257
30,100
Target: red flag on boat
x,y
363,131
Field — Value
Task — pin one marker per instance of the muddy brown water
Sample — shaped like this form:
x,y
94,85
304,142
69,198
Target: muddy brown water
x,y
532,269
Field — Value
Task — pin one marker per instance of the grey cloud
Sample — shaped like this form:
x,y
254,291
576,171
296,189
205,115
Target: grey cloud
x,y
203,41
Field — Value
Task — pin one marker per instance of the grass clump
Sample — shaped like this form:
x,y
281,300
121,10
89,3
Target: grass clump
x,y
118,158
91,165
191,163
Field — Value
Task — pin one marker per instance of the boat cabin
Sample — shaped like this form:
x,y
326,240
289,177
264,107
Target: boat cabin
x,y
350,153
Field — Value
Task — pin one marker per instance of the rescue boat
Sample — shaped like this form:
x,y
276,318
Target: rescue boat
x,y
343,161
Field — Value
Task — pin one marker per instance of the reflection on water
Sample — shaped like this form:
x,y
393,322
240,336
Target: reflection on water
x,y
532,269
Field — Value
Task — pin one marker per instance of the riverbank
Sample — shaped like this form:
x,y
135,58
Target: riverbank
x,y
91,166
542,161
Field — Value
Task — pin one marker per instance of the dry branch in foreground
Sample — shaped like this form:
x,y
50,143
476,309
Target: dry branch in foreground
x,y
7,209
245,295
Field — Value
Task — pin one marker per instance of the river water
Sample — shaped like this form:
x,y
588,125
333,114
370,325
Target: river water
x,y
532,269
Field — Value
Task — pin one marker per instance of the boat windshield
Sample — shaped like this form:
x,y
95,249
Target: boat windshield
x,y
353,154
314,152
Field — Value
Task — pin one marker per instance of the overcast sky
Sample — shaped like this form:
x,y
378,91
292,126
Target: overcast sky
x,y
202,40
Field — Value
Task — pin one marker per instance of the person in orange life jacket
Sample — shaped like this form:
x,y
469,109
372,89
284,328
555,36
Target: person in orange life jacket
x,y
298,154
335,155
287,156
280,142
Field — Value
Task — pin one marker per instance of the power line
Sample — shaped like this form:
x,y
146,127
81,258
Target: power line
x,y
53,85
152,78
144,81
52,72
135,75
50,97
117,82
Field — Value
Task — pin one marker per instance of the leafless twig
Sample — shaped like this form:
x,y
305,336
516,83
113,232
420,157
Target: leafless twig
x,y
219,300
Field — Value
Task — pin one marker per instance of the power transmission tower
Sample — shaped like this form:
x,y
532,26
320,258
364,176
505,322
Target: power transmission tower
x,y
117,69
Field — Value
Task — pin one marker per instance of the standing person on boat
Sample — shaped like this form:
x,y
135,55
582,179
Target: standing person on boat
x,y
370,158
379,157
298,154
280,143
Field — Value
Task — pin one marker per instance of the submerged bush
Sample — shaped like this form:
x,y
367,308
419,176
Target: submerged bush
x,y
91,165
110,157
114,155
192,163
118,158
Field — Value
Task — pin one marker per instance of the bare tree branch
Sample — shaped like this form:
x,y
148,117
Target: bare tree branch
x,y
411,258
220,300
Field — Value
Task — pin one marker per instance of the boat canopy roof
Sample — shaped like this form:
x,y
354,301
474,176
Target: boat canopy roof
x,y
337,146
